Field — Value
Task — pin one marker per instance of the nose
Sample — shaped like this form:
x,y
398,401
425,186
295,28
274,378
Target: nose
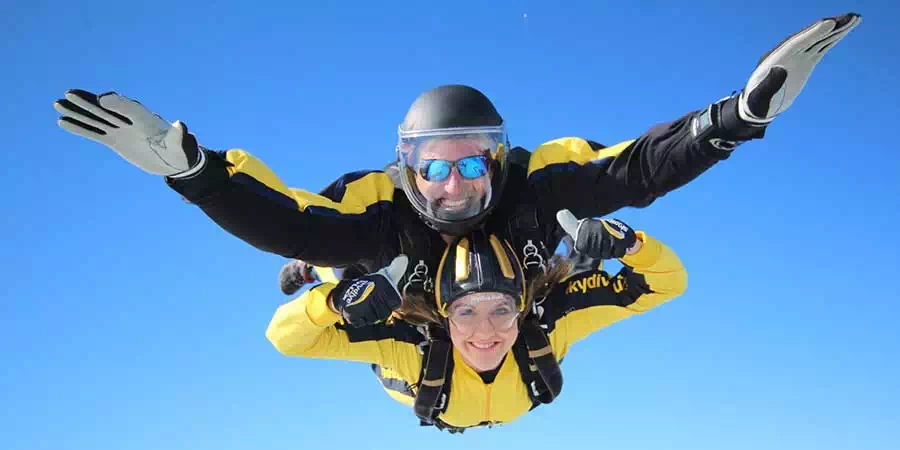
x,y
484,328
453,185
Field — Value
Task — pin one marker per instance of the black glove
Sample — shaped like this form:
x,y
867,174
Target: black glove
x,y
370,299
597,238
294,275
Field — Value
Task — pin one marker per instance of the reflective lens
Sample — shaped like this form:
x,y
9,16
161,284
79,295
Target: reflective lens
x,y
470,168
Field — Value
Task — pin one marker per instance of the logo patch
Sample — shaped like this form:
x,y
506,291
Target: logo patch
x,y
616,228
597,280
357,292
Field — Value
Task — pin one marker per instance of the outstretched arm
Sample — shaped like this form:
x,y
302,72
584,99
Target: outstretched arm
x,y
347,222
593,180
346,321
591,300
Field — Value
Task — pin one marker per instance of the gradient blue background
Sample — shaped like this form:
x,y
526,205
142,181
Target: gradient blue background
x,y
131,321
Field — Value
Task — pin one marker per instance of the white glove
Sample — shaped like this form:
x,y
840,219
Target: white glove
x,y
782,72
131,130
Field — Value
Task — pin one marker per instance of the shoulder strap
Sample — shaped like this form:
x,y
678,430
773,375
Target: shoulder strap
x,y
519,217
434,383
538,367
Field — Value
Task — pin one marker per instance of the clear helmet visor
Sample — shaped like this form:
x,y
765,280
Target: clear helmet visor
x,y
451,174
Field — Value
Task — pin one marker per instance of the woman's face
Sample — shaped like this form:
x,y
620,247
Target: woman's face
x,y
483,327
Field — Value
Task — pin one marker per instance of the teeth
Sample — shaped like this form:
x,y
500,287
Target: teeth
x,y
483,346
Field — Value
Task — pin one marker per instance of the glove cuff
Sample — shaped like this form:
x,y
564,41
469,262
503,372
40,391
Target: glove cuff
x,y
732,122
647,256
193,171
721,126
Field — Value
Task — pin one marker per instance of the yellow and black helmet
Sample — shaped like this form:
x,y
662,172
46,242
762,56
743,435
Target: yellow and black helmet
x,y
478,262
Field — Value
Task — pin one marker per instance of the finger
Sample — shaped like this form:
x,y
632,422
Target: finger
x,y
132,109
568,222
175,139
88,101
69,109
818,30
846,19
397,269
190,146
759,100
75,127
180,138
191,156
797,42
814,33
844,25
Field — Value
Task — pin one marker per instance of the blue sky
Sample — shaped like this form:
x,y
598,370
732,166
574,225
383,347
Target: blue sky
x,y
131,321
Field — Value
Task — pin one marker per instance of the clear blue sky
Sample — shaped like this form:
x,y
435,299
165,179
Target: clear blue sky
x,y
131,322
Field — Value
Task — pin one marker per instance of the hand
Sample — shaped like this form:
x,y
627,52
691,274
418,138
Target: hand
x,y
131,130
598,238
782,72
294,275
372,298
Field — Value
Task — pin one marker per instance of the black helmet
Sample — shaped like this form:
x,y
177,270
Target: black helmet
x,y
479,262
453,128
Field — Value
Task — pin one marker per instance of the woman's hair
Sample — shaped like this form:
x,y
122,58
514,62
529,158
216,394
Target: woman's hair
x,y
417,310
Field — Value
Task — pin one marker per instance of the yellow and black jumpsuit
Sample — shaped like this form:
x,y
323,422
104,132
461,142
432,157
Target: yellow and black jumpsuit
x,y
578,306
364,218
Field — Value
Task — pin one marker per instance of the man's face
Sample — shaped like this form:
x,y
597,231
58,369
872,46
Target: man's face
x,y
454,194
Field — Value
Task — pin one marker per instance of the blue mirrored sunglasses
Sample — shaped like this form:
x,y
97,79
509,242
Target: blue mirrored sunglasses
x,y
470,168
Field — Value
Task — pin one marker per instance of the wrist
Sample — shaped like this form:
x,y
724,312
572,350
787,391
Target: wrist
x,y
721,126
634,248
329,301
646,256
195,169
